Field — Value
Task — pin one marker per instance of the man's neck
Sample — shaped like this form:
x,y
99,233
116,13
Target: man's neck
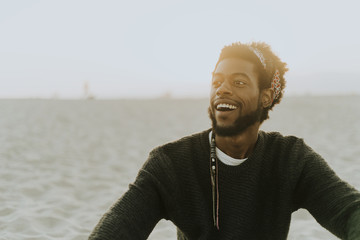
x,y
239,146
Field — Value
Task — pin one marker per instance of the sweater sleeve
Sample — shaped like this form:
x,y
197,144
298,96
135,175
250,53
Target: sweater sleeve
x,y
329,199
353,226
137,212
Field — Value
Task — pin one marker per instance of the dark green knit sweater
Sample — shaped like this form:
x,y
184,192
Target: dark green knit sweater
x,y
256,198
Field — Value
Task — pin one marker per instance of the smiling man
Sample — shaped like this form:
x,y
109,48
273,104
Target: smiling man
x,y
234,181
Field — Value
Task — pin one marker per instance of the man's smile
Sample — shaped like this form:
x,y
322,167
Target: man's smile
x,y
225,107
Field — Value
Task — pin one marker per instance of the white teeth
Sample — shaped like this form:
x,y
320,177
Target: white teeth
x,y
225,105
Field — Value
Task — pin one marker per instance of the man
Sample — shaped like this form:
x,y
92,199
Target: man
x,y
234,181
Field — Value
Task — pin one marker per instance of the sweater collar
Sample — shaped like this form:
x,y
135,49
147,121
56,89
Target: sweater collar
x,y
259,146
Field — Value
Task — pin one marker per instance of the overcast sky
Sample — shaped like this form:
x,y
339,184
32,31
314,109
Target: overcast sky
x,y
147,48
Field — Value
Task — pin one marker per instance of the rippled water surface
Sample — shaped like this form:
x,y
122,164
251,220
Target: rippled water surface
x,y
63,163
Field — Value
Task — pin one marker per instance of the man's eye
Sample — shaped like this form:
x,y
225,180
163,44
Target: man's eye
x,y
238,82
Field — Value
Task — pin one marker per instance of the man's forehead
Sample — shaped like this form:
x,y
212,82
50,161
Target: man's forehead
x,y
234,65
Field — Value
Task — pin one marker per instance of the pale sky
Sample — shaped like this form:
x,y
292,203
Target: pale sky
x,y
147,48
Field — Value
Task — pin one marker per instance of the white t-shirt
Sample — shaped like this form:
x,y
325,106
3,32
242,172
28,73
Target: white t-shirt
x,y
226,159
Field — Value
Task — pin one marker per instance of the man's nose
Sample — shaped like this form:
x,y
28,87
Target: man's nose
x,y
224,89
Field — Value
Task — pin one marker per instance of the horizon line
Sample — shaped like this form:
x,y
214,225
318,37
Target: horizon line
x,y
173,97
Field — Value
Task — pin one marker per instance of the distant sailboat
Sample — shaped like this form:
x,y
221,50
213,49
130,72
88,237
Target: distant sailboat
x,y
87,94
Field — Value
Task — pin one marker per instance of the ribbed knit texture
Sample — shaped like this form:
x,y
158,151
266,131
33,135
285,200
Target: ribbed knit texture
x,y
256,198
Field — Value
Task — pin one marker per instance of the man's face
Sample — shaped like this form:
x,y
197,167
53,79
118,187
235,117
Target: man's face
x,y
234,97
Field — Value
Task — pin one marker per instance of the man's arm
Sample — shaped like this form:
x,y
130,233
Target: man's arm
x,y
136,213
333,202
353,226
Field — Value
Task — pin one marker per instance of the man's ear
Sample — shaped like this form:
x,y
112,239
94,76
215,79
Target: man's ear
x,y
267,97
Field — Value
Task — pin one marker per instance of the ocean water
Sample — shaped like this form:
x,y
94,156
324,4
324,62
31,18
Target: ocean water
x,y
64,162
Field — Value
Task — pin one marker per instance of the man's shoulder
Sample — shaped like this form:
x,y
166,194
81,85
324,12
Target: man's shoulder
x,y
279,137
275,141
186,143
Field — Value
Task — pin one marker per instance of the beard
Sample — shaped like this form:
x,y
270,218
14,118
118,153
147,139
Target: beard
x,y
239,125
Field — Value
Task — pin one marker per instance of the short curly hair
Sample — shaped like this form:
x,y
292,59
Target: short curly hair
x,y
272,61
